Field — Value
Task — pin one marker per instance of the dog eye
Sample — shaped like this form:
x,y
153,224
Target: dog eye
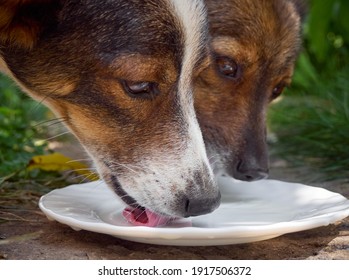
x,y
141,89
278,90
228,67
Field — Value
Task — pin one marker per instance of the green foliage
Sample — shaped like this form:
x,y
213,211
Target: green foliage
x,y
314,131
326,43
312,119
18,130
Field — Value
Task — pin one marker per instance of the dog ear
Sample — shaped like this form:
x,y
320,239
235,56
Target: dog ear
x,y
22,21
301,7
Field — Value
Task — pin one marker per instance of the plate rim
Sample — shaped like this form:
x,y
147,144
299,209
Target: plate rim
x,y
208,234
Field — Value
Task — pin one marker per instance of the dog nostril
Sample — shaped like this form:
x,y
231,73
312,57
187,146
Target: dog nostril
x,y
254,175
239,166
187,202
247,172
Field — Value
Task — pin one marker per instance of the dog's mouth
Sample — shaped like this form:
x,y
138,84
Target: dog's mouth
x,y
136,214
140,216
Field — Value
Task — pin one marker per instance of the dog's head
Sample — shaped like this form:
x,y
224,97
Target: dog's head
x,y
254,45
120,74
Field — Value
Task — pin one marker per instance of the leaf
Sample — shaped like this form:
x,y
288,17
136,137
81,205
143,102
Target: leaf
x,y
59,162
22,238
319,22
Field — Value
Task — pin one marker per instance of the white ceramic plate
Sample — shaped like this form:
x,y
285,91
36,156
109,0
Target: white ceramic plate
x,y
249,212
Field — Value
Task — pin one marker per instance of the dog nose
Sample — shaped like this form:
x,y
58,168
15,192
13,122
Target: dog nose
x,y
249,173
196,207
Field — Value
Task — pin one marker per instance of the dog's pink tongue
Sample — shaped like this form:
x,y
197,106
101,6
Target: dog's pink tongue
x,y
144,217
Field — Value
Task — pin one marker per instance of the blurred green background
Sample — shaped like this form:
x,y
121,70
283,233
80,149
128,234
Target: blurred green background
x,y
310,121
20,131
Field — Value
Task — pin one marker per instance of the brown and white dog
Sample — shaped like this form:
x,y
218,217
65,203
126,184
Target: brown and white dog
x,y
255,44
120,73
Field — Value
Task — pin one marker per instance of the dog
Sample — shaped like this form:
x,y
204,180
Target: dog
x,y
254,47
120,74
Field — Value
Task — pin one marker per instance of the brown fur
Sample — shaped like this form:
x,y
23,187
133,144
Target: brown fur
x,y
22,21
263,38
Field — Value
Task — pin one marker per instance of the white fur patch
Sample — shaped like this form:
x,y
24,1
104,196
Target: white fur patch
x,y
192,15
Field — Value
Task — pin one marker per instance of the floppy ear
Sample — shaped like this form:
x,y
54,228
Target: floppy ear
x,y
301,7
22,21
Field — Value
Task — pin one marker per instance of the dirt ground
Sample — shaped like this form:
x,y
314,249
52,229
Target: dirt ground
x,y
28,234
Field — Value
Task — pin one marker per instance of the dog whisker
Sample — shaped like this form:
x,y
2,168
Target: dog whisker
x,y
130,167
50,122
86,169
213,156
79,160
58,135
125,166
215,159
39,103
58,122
84,177
215,162
140,214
